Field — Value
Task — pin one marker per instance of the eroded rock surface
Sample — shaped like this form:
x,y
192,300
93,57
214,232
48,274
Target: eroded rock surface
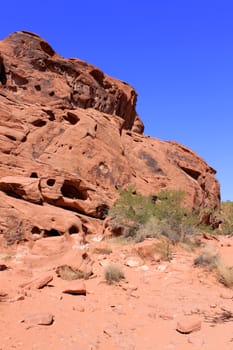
x,y
70,137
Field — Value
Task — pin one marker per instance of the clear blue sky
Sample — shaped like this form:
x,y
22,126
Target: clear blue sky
x,y
178,54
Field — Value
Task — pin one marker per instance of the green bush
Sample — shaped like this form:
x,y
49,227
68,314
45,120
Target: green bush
x,y
137,217
227,218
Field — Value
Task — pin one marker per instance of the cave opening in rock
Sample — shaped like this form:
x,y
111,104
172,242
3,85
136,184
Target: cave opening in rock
x,y
51,182
51,233
73,229
3,78
70,190
35,230
34,175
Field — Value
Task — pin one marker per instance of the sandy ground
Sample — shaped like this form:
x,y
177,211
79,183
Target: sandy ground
x,y
139,312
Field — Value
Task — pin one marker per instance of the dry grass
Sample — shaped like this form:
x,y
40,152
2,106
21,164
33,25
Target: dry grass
x,y
208,258
105,250
225,274
213,262
69,273
113,273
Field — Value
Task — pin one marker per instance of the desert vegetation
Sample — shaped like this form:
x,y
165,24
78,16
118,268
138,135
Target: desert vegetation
x,y
137,217
113,273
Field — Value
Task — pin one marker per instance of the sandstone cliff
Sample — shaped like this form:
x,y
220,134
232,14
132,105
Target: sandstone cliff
x,y
70,137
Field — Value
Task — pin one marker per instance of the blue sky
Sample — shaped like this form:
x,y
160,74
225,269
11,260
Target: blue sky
x,y
178,54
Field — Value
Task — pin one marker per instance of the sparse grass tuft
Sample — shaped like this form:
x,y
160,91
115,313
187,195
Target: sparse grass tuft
x,y
105,250
207,258
213,262
163,248
113,273
225,274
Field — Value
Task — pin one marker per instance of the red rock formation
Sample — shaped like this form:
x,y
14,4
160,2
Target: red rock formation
x,y
70,136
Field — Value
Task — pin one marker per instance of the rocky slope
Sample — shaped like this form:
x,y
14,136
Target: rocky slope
x,y
70,137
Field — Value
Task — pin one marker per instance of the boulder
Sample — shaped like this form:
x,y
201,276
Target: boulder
x,y
70,137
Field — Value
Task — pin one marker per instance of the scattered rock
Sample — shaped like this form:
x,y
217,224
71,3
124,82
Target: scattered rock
x,y
196,340
227,294
76,288
166,317
42,282
3,267
208,236
162,268
39,319
69,273
188,324
134,261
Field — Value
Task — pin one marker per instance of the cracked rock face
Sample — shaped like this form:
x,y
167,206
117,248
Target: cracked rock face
x,y
70,137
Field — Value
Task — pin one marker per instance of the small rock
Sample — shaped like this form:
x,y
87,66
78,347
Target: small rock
x,y
69,273
134,295
166,317
76,288
226,295
188,324
79,308
3,267
134,261
42,282
17,298
162,268
39,319
158,257
196,340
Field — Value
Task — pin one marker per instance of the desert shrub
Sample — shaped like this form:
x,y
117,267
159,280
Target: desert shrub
x,y
225,274
227,218
163,248
106,250
113,273
208,258
138,217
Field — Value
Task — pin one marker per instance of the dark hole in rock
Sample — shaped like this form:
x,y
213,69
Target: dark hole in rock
x,y
39,122
51,93
71,118
3,78
11,193
35,230
47,48
24,139
40,64
11,137
69,190
34,174
51,182
37,87
50,114
191,172
51,233
97,75
73,229
13,88
19,80
102,211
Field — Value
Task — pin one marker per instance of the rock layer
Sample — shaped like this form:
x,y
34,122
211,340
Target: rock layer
x,y
70,137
